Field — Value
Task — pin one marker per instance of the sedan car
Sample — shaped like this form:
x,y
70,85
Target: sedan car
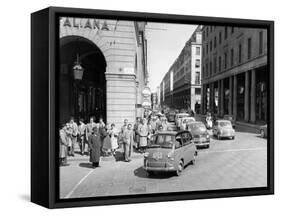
x,y
169,151
223,128
201,137
178,118
230,118
185,121
263,131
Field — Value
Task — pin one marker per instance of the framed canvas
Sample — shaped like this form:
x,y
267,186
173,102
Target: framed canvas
x,y
134,107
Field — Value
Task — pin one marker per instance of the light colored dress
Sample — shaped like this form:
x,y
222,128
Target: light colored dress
x,y
143,132
114,138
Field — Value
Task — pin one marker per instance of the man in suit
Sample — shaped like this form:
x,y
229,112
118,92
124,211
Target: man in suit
x,y
94,145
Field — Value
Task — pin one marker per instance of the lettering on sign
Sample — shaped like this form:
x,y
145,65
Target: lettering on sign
x,y
86,23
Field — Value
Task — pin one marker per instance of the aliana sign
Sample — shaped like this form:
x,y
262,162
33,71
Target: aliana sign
x,y
85,23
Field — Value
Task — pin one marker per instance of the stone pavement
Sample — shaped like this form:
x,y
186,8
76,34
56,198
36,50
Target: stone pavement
x,y
239,163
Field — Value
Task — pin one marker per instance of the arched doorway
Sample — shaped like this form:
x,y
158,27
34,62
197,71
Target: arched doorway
x,y
86,97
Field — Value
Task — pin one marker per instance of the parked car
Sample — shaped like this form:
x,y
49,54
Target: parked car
x,y
171,116
201,137
185,121
230,118
178,118
169,151
223,128
263,131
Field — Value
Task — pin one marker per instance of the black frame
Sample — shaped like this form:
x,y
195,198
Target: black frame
x,y
44,101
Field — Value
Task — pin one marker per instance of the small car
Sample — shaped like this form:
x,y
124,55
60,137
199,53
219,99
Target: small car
x,y
230,118
169,151
171,116
201,137
263,131
223,128
185,121
178,118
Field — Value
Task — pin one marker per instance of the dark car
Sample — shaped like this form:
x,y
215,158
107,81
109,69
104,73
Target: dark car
x,y
230,118
201,137
169,151
263,131
171,116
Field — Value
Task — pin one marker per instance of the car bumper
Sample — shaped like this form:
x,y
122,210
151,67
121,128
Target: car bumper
x,y
163,166
162,169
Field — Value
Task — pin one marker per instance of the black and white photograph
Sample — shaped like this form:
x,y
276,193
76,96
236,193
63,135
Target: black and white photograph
x,y
154,107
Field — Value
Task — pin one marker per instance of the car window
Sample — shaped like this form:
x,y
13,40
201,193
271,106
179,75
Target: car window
x,y
186,138
178,142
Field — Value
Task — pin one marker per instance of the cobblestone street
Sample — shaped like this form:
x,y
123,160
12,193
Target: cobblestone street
x,y
227,164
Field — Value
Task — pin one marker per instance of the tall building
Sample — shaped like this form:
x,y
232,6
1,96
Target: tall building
x,y
184,76
113,55
234,75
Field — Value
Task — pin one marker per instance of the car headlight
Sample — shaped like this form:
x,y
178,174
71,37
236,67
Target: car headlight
x,y
171,155
207,136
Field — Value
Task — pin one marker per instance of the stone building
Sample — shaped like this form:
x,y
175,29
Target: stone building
x,y
113,56
234,77
185,76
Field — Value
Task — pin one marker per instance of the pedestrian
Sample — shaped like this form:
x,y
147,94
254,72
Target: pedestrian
x,y
153,124
136,134
94,145
101,123
82,135
127,142
113,133
103,134
121,134
63,145
143,132
90,126
74,134
164,123
106,144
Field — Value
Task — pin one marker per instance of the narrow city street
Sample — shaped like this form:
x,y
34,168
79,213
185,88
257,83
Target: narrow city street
x,y
227,164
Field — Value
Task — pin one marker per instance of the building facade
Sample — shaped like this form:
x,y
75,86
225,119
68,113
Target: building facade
x,y
234,72
113,55
185,76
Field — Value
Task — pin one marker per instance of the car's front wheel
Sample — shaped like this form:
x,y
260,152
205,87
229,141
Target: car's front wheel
x,y
180,168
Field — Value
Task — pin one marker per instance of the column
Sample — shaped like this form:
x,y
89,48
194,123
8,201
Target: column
x,y
212,97
246,97
253,96
230,104
203,99
235,96
222,97
219,97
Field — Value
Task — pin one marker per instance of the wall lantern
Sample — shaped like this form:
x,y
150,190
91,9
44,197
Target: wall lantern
x,y
78,69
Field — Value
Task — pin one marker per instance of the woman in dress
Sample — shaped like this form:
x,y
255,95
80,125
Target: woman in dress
x,y
143,133
113,133
106,141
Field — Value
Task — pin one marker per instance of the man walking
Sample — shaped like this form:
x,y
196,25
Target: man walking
x,y
128,140
74,134
94,145
82,135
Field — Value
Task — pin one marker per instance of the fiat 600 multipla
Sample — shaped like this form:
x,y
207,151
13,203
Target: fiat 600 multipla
x,y
223,128
169,151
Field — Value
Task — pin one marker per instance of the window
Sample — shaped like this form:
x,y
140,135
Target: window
x,y
225,32
207,31
219,63
215,65
197,78
211,44
203,51
220,38
249,48
197,50
198,91
207,70
197,63
232,57
215,42
203,71
211,67
261,42
232,30
225,60
240,53
207,48
203,35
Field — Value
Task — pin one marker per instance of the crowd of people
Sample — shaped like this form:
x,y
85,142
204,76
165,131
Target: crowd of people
x,y
98,139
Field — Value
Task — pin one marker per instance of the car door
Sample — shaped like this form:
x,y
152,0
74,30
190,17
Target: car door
x,y
188,146
215,129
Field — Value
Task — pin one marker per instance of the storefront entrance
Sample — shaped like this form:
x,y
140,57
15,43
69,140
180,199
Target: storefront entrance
x,y
81,98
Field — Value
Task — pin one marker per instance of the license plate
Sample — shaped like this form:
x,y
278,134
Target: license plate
x,y
157,155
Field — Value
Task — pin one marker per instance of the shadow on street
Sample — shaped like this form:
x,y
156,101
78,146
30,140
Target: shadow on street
x,y
140,172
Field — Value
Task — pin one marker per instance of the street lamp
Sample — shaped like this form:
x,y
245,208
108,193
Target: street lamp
x,y
77,69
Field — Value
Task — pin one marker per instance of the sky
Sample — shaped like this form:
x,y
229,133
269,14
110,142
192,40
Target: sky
x,y
164,44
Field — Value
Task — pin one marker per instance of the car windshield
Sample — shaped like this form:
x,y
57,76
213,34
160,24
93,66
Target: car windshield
x,y
162,141
228,117
197,126
225,124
